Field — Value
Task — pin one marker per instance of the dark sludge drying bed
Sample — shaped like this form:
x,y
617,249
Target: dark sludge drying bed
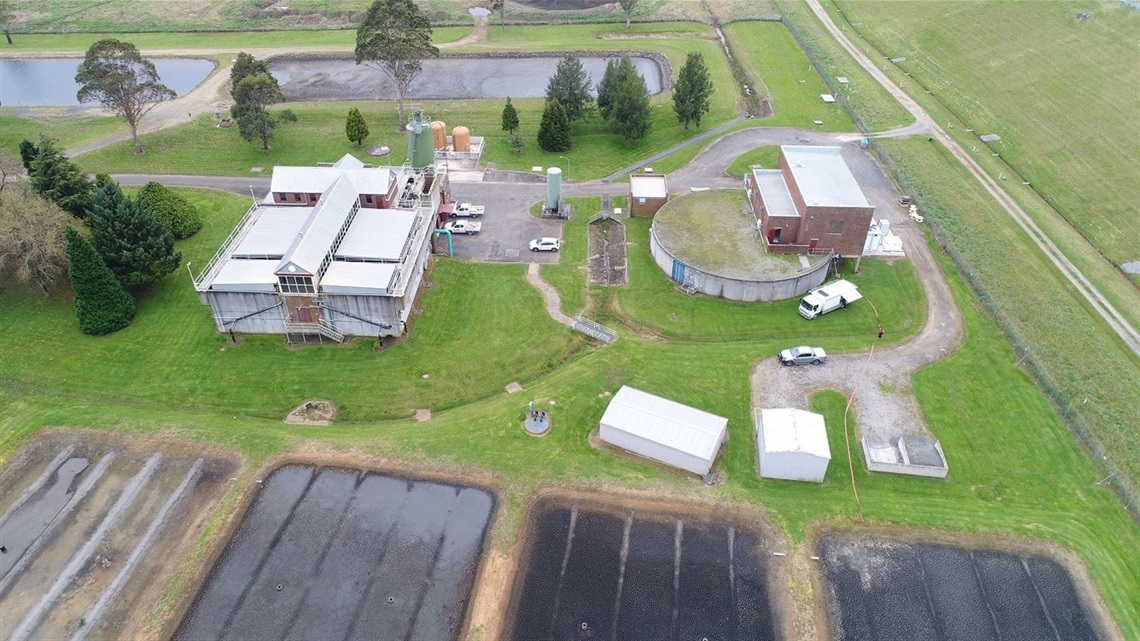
x,y
601,574
886,590
339,554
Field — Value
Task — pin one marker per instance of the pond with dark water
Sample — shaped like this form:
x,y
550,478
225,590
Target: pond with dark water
x,y
894,591
50,82
595,574
327,79
340,554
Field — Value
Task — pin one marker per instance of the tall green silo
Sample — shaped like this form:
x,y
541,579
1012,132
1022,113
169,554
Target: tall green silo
x,y
421,153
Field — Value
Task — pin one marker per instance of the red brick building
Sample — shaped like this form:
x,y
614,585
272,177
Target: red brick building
x,y
647,194
810,204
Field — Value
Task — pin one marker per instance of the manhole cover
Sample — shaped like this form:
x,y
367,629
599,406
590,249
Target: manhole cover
x,y
512,253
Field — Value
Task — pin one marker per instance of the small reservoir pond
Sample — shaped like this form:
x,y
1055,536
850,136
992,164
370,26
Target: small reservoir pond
x,y
327,79
51,81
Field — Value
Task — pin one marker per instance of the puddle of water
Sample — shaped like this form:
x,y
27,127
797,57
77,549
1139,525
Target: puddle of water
x,y
441,79
50,81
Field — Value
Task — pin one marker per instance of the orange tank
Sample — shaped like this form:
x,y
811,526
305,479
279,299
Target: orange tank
x,y
438,135
460,139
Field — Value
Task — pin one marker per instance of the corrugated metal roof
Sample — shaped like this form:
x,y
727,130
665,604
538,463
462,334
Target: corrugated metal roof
x,y
238,275
823,177
642,186
774,192
672,424
273,232
317,235
377,235
791,430
357,278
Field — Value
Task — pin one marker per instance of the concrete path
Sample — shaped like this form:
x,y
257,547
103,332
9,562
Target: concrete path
x,y
1096,299
550,296
679,146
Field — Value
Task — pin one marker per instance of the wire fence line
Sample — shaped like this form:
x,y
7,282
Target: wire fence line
x,y
1067,408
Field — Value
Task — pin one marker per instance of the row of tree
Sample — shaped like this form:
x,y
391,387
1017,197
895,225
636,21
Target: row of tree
x,y
131,242
622,100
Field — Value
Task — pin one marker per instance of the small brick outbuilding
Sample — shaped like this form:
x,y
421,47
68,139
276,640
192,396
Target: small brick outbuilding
x,y
647,193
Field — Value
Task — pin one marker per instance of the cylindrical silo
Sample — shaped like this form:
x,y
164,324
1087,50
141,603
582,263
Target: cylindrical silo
x,y
461,139
420,152
438,135
553,187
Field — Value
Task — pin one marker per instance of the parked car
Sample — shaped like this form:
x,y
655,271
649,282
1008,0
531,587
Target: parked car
x,y
463,227
467,210
803,356
545,245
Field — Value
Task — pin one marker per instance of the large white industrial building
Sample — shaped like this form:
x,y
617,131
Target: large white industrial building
x,y
663,430
332,251
792,444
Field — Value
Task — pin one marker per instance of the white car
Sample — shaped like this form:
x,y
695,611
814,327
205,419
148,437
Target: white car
x,y
545,245
463,227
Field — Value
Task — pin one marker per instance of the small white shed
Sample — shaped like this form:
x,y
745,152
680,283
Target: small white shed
x,y
663,430
792,445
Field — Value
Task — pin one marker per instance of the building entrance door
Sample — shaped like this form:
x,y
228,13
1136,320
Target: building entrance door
x,y
774,235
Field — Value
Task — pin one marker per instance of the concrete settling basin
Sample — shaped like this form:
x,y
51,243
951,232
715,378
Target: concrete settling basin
x,y
601,573
327,553
447,78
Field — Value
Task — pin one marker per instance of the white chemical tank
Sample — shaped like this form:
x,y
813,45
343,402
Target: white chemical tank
x,y
553,188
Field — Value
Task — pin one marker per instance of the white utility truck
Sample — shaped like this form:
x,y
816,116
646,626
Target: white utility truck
x,y
831,296
467,210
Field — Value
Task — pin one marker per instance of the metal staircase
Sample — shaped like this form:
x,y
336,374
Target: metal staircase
x,y
595,330
321,327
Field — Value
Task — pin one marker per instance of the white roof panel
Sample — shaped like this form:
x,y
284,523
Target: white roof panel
x,y
774,191
642,186
377,234
791,430
315,180
676,426
320,230
823,177
273,232
238,275
348,161
357,278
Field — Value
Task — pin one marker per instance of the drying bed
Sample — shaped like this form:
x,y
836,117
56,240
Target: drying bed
x,y
887,590
88,527
341,554
598,573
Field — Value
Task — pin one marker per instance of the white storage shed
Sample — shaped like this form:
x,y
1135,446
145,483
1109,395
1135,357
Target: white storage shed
x,y
663,430
792,444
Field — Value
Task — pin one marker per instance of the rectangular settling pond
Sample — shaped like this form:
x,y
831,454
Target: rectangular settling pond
x,y
884,590
340,554
598,574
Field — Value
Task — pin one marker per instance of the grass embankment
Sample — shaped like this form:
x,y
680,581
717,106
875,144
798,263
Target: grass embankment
x,y
876,108
1066,114
1051,319
765,157
225,41
199,147
770,53
1015,468
67,130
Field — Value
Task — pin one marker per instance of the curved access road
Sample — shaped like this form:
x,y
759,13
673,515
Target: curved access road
x,y
1103,307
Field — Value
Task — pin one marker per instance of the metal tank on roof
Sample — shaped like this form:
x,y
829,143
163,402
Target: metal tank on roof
x,y
438,135
461,139
420,151
553,188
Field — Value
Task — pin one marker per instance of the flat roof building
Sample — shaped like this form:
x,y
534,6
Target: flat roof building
x,y
331,251
811,203
663,430
791,444
647,193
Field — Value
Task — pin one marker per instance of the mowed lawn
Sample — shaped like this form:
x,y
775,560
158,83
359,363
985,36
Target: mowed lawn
x,y
1060,92
199,147
1014,467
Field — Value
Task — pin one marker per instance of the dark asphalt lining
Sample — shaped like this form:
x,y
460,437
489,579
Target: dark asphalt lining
x,y
340,554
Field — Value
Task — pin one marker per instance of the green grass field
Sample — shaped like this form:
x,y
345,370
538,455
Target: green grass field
x,y
190,389
1065,113
765,157
224,41
771,54
67,130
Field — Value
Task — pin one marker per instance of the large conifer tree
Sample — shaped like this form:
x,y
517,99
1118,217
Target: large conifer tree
x,y
570,85
138,249
693,90
554,130
102,305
